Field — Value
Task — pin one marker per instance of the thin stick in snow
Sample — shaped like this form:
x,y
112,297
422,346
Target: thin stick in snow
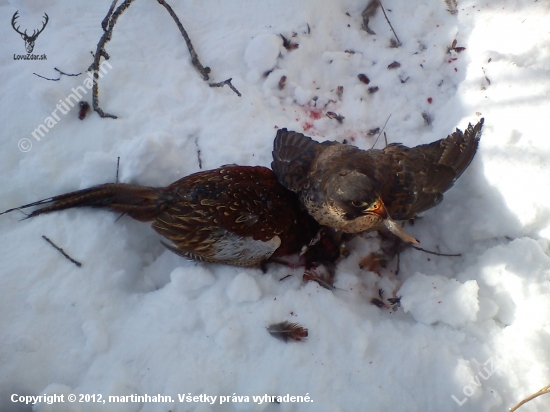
x,y
61,251
228,82
396,43
108,25
436,253
194,57
198,152
60,74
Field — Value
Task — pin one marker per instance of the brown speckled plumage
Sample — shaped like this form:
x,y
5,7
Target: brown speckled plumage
x,y
237,215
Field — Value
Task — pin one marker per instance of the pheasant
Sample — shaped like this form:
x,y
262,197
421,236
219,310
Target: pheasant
x,y
237,215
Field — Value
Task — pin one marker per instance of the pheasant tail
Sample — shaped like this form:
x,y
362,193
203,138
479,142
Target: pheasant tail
x,y
141,203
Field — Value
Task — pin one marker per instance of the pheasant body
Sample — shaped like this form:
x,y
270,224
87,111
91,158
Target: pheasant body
x,y
236,215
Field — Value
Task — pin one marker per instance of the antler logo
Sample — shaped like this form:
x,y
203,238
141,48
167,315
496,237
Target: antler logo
x,y
29,40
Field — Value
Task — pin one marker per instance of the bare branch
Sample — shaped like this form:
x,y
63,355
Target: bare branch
x,y
194,57
387,120
198,152
105,21
226,82
436,253
60,74
62,251
107,24
397,43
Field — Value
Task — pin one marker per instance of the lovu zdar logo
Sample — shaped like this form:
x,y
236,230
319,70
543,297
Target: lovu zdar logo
x,y
29,39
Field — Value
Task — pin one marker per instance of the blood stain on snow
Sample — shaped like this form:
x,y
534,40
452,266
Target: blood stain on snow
x,y
307,126
315,115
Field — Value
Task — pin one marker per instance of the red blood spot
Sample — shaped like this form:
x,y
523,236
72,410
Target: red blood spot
x,y
315,115
456,69
275,127
306,126
352,139
430,100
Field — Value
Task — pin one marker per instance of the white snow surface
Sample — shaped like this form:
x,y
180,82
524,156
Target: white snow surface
x,y
473,333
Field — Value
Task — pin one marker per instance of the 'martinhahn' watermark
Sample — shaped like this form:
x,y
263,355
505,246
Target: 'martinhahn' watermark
x,y
469,390
72,100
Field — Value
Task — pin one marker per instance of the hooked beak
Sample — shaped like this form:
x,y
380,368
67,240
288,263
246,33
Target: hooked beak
x,y
379,209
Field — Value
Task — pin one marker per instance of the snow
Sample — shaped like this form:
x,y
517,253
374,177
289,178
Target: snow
x,y
432,299
136,319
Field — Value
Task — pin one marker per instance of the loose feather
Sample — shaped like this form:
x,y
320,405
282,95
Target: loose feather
x,y
287,332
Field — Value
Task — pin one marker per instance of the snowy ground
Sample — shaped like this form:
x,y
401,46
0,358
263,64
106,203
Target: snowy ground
x,y
137,319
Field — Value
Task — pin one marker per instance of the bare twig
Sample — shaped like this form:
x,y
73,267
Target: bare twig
x,y
228,82
387,120
194,57
436,253
47,78
105,21
107,24
66,74
198,152
60,74
61,251
117,167
543,391
391,27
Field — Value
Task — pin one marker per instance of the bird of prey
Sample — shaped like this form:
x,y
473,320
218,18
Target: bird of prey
x,y
354,190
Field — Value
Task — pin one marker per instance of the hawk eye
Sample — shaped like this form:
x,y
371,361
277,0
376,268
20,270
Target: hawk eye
x,y
357,203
